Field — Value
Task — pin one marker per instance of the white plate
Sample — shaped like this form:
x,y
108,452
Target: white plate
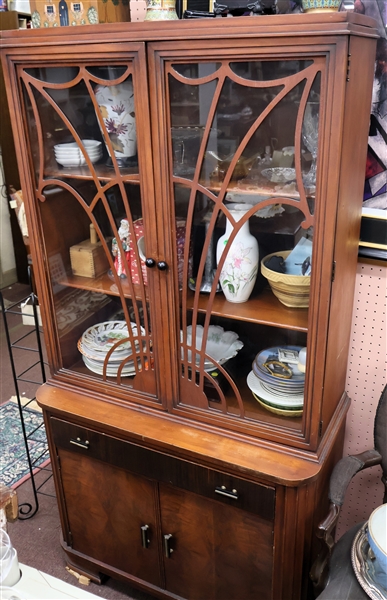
x,y
127,371
111,365
221,345
286,402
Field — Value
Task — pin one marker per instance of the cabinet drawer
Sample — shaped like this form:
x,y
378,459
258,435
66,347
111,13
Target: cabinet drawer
x,y
253,497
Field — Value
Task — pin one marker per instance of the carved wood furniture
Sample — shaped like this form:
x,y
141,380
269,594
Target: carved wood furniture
x,y
170,474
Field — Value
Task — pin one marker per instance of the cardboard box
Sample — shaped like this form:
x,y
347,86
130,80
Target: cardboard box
x,y
60,13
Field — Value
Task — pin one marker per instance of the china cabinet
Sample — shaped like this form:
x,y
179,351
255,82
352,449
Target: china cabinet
x,y
193,429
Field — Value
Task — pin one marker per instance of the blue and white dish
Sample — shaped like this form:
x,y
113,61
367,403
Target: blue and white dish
x,y
267,395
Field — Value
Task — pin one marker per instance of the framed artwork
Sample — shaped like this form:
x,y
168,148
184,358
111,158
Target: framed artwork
x,y
373,235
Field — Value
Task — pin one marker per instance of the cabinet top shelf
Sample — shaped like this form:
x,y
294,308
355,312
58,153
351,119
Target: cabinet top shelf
x,y
301,24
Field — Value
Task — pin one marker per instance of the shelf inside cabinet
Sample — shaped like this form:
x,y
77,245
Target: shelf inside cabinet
x,y
255,412
254,188
101,170
264,309
80,367
103,284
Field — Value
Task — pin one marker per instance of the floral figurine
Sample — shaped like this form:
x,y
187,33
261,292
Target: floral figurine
x,y
120,259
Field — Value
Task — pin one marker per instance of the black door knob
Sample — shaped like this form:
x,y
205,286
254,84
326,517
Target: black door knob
x,y
162,265
150,262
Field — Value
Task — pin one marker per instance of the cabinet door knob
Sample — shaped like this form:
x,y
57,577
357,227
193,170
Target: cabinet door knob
x,y
145,541
162,265
150,262
167,548
223,491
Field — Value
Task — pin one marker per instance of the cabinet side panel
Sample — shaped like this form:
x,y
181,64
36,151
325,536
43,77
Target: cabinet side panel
x,y
353,163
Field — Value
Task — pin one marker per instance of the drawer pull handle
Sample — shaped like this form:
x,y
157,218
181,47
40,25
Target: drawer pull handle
x,y
144,536
78,442
223,491
167,548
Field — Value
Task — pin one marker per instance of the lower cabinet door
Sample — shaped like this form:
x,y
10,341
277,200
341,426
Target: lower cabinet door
x,y
112,515
214,551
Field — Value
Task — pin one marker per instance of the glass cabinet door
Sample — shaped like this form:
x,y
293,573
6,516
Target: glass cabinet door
x,y
244,145
81,123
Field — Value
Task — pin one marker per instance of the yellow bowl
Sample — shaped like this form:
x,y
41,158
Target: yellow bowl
x,y
291,290
283,412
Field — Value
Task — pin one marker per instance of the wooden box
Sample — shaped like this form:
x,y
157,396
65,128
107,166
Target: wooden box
x,y
88,259
59,13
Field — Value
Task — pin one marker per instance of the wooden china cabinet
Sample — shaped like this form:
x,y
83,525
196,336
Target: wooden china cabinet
x,y
173,471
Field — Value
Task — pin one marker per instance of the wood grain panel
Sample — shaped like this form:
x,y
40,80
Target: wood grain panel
x,y
215,548
250,496
105,516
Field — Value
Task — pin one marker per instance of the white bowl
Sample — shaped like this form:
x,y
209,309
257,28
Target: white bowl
x,y
377,535
221,345
71,162
76,161
78,154
88,144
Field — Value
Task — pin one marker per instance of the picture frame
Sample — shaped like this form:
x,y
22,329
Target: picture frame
x,y
373,231
373,234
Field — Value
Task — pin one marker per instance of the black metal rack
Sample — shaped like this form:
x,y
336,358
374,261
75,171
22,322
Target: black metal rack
x,y
26,343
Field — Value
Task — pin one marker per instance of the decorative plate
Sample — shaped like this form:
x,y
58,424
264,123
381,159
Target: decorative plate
x,y
297,379
99,339
221,345
267,395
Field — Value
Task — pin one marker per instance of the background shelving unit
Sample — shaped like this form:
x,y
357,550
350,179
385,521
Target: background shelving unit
x,y
32,373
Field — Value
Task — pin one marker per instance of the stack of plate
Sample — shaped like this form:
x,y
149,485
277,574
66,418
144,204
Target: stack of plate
x,y
71,155
276,381
96,342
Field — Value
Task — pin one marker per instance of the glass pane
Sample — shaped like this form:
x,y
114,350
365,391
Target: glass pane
x,y
82,130
244,146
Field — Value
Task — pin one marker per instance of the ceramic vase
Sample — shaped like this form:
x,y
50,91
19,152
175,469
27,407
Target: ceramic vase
x,y
116,104
240,268
161,10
